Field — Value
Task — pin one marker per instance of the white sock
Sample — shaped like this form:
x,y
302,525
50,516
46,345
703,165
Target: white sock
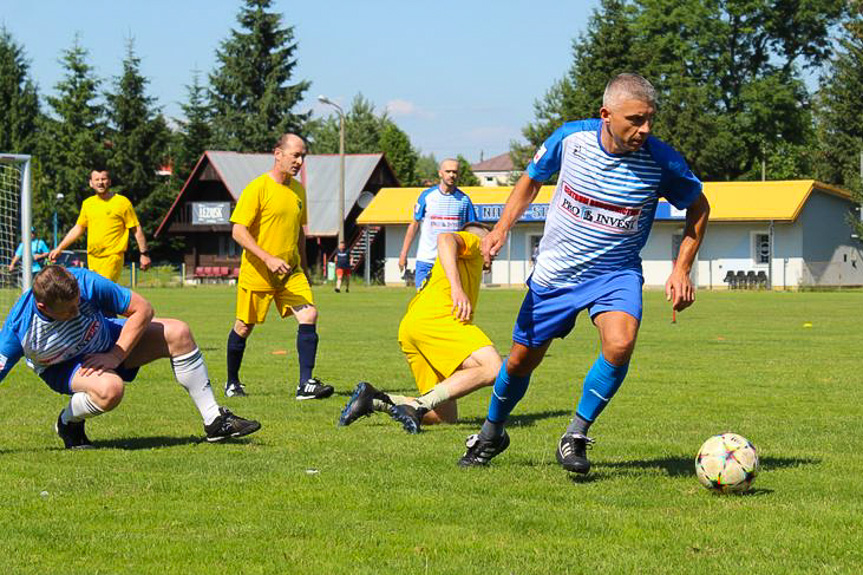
x,y
431,399
80,407
191,373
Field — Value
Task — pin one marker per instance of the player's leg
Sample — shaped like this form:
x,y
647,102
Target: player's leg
x,y
422,270
92,395
339,274
173,339
251,309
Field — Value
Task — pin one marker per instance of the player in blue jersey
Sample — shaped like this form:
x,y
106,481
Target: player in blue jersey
x,y
611,174
439,209
66,328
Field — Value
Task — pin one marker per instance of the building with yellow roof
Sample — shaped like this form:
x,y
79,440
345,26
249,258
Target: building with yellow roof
x,y
787,234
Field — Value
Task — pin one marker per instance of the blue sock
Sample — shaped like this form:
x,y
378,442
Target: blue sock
x,y
600,384
506,393
236,349
307,349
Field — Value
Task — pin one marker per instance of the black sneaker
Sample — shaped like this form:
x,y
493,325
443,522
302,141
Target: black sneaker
x,y
336,290
572,452
409,416
72,434
480,451
360,403
314,389
229,425
235,389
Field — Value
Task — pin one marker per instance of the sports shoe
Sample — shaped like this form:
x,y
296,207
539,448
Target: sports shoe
x,y
235,389
480,451
572,452
336,290
360,403
229,425
72,434
314,389
409,416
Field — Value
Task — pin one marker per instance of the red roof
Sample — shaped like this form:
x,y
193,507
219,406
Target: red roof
x,y
501,163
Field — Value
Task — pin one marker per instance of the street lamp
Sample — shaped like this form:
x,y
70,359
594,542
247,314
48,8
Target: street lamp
x,y
325,100
59,197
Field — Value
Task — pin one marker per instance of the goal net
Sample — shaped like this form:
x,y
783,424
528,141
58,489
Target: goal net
x,y
15,223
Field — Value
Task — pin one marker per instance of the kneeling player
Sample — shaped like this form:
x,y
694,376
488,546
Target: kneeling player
x,y
66,328
448,355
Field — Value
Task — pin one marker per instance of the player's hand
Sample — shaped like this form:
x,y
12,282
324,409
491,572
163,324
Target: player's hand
x,y
461,308
492,244
277,265
403,263
679,290
145,262
98,363
54,254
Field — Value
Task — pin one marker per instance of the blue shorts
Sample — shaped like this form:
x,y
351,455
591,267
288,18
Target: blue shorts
x,y
59,376
547,313
423,269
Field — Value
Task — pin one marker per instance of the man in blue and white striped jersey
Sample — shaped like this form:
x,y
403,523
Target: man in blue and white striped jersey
x,y
611,174
66,327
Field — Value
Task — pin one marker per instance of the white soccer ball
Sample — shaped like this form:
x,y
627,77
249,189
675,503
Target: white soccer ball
x,y
727,463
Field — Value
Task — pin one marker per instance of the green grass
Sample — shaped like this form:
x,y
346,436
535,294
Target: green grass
x,y
153,499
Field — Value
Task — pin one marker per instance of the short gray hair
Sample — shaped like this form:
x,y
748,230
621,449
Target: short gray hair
x,y
634,86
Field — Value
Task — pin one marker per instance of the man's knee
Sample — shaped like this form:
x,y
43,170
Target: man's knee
x,y
617,347
307,314
106,391
243,329
179,335
522,360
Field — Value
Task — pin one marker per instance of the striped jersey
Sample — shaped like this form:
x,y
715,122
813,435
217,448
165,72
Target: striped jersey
x,y
603,206
45,342
440,212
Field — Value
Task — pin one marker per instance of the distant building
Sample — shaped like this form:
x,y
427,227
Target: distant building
x,y
202,210
791,233
496,171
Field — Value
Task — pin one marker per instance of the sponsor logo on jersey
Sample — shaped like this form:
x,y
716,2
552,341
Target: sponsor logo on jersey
x,y
597,214
539,154
441,223
3,360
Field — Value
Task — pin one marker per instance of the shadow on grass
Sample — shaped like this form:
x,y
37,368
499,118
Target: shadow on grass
x,y
685,466
154,442
525,420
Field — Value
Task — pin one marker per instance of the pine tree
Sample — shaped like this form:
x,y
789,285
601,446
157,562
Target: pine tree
x,y
251,99
19,100
195,133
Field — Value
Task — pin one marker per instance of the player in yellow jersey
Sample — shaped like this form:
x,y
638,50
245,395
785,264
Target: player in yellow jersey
x,y
107,217
268,223
448,355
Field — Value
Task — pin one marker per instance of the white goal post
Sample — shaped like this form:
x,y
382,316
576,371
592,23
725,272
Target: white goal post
x,y
16,214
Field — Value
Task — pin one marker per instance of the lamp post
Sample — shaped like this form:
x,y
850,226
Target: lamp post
x,y
59,197
341,212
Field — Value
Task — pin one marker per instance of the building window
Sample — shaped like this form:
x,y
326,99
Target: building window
x,y
761,248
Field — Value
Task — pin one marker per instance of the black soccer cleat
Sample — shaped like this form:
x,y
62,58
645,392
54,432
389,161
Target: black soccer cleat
x,y
572,452
480,451
409,416
314,389
228,425
235,389
72,434
360,404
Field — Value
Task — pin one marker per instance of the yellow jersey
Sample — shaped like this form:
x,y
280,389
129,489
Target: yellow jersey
x,y
274,215
434,300
108,223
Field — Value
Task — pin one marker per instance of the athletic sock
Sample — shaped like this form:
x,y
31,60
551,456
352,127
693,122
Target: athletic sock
x,y
507,392
431,399
399,399
80,407
578,425
307,349
236,348
191,372
600,384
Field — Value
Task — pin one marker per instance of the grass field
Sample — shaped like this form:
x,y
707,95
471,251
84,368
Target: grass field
x,y
303,496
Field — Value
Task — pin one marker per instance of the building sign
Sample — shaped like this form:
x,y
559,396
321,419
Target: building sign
x,y
492,212
207,213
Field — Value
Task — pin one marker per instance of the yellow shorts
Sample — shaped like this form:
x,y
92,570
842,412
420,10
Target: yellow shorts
x,y
106,266
253,305
436,348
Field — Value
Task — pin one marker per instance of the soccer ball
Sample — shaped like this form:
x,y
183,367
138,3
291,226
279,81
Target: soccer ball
x,y
727,463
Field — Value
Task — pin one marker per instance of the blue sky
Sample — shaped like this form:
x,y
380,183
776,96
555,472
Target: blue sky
x,y
458,77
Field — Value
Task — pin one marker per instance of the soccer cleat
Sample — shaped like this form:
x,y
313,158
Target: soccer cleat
x,y
409,416
229,425
480,451
336,290
235,389
314,389
572,452
72,434
359,405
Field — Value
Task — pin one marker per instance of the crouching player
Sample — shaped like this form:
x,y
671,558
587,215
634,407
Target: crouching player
x,y
448,355
65,327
